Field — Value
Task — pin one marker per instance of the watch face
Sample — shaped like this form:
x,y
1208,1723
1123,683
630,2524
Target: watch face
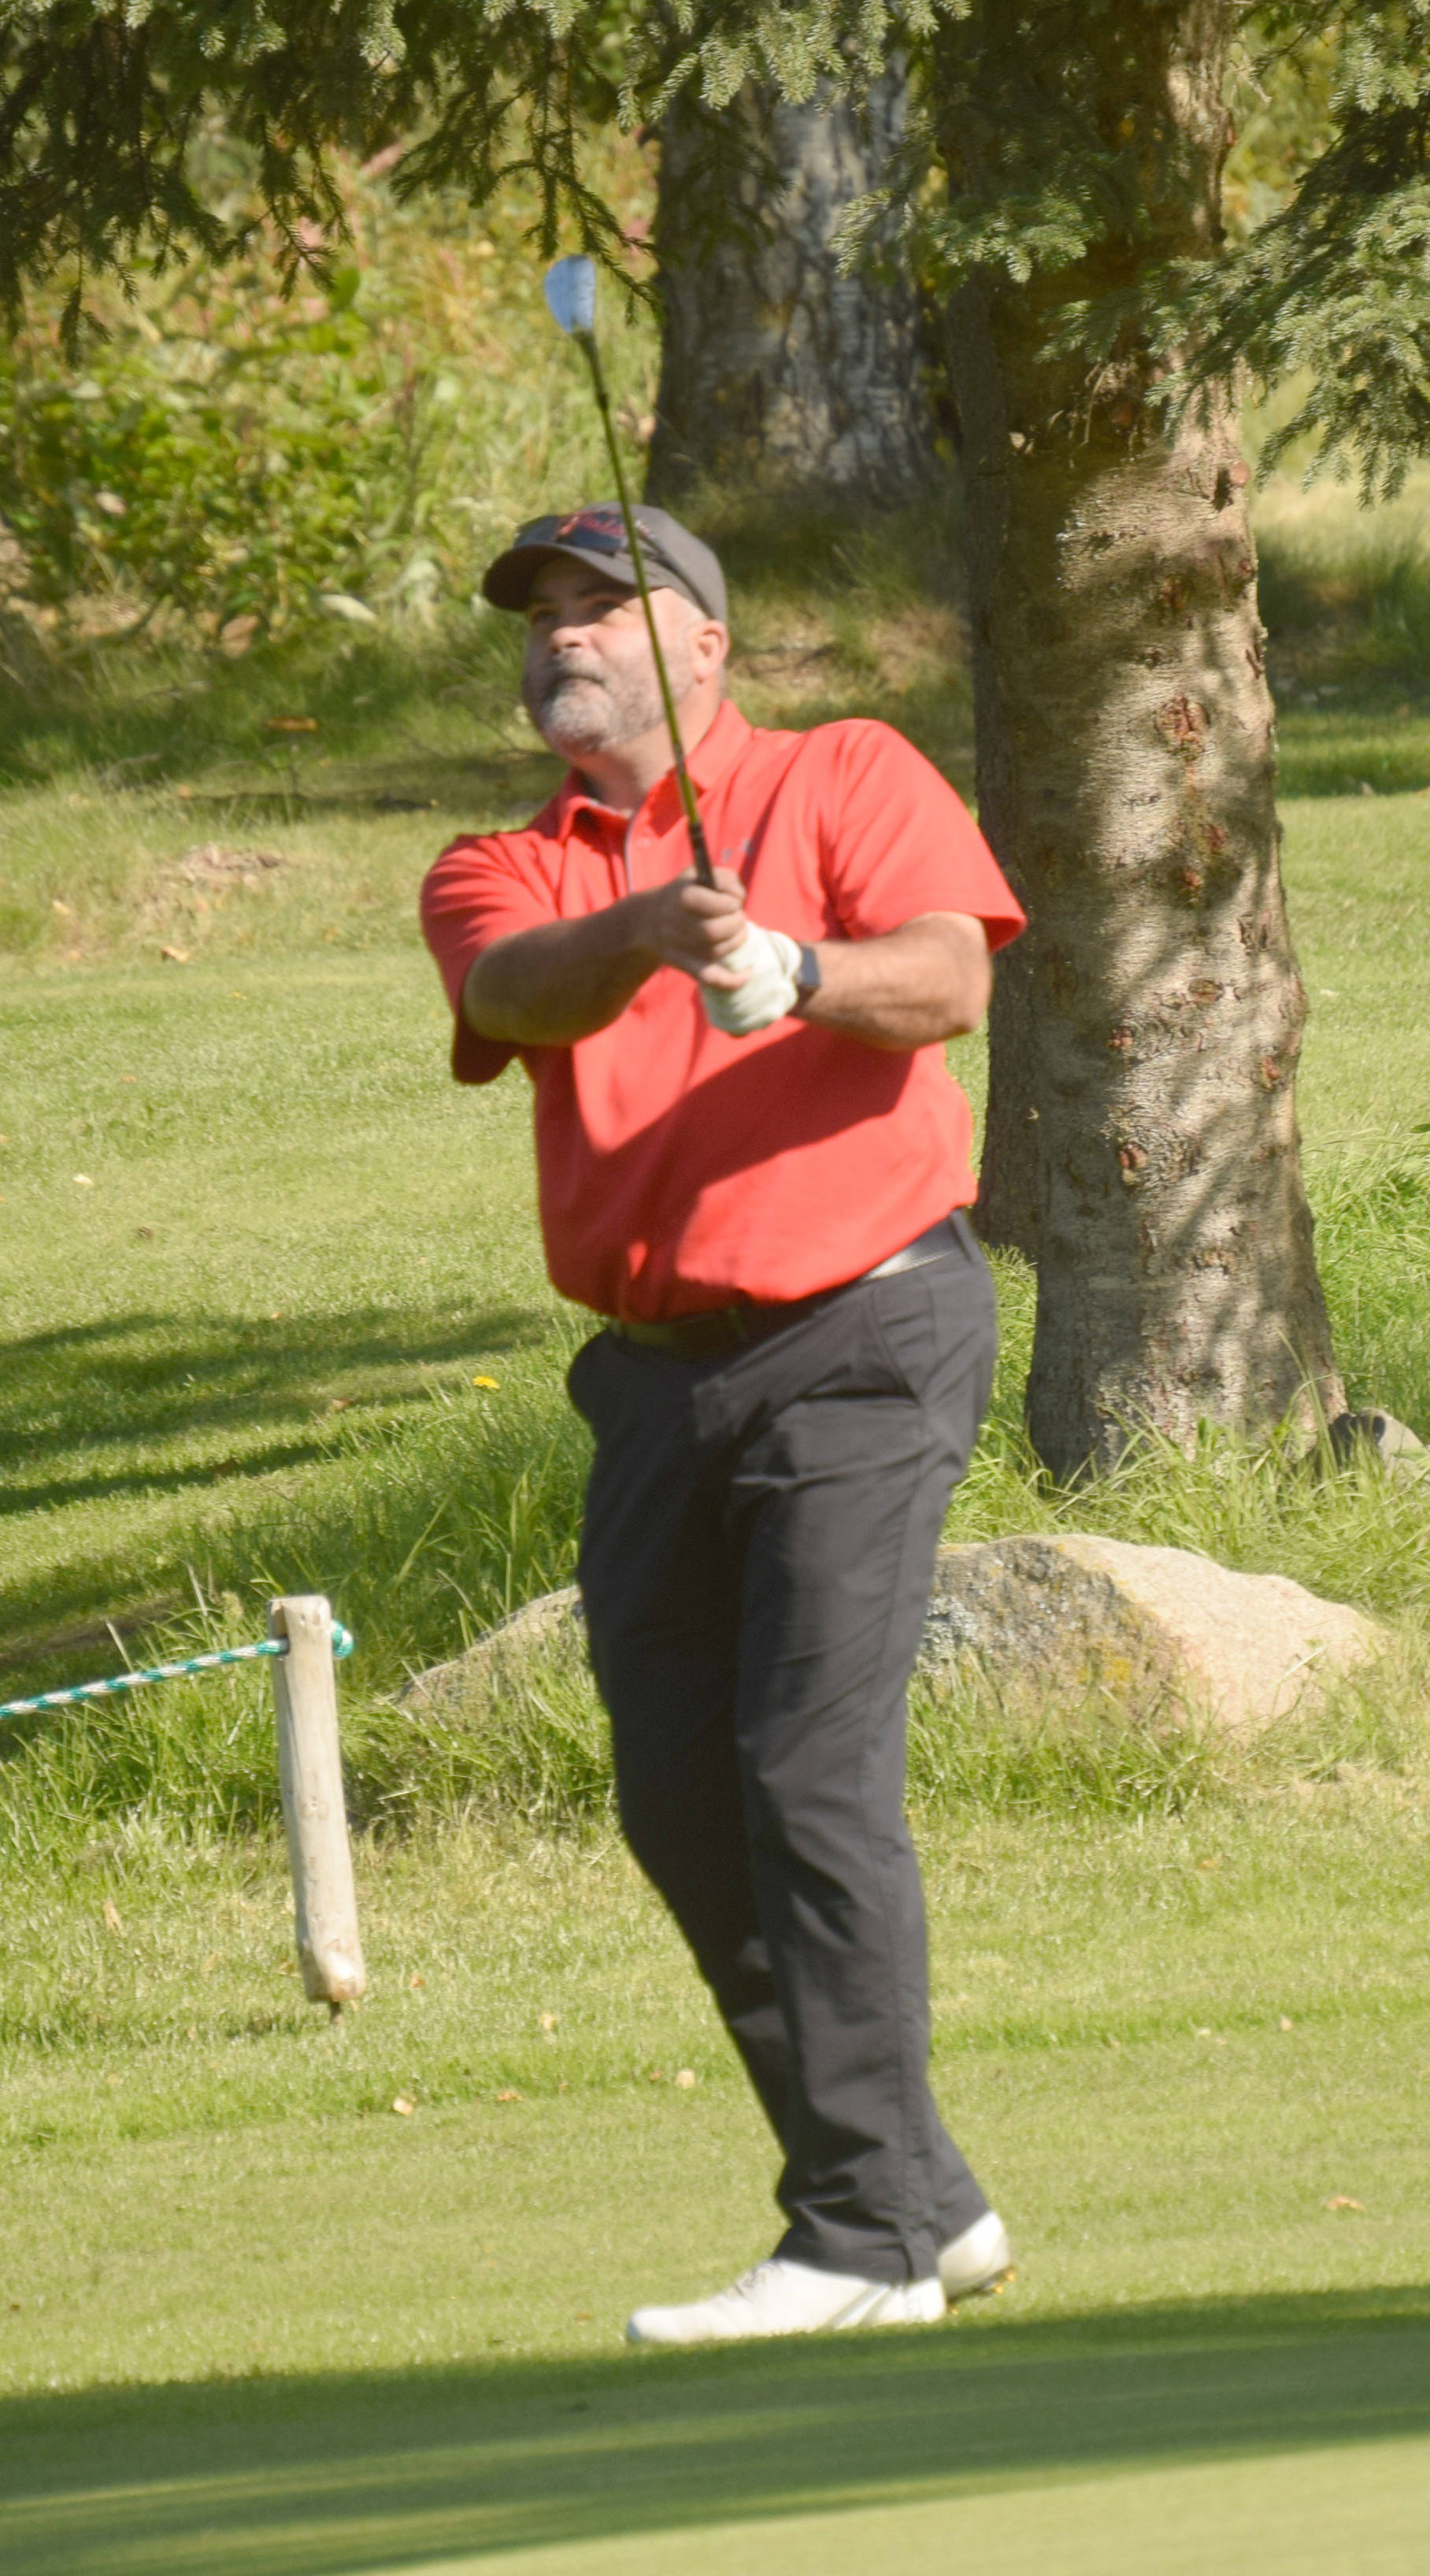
x,y
807,979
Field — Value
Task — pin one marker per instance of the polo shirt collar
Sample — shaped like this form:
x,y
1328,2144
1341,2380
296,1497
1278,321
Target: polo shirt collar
x,y
715,753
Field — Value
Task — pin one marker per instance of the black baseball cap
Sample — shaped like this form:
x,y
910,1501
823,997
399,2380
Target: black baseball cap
x,y
596,534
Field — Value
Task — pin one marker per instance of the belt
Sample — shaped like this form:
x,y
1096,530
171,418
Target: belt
x,y
721,1329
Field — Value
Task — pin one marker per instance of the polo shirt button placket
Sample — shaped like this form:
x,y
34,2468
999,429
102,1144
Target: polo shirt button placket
x,y
628,855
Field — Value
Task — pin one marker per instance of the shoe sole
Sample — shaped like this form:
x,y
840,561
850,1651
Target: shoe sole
x,y
872,2308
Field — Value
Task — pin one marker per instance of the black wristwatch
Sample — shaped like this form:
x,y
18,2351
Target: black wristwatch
x,y
807,978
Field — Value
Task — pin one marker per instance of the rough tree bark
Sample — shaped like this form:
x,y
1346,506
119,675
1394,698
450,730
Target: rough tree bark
x,y
1142,1143
770,359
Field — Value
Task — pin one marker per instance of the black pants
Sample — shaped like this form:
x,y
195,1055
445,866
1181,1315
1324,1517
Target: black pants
x,y
756,1564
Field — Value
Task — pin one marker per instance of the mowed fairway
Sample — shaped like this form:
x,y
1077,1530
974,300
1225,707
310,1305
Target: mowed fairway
x,y
252,2317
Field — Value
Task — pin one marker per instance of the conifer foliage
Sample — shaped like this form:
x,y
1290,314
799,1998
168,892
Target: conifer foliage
x,y
103,101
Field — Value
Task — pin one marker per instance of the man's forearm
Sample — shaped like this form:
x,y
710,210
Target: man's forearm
x,y
561,982
551,986
912,987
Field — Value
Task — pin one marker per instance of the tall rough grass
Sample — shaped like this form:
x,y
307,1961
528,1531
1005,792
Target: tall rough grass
x,y
426,1534
1358,578
444,1529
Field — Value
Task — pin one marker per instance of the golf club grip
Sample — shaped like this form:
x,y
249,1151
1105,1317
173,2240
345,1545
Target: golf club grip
x,y
699,846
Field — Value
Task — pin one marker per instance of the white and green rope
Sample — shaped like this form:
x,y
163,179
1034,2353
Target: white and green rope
x,y
342,1645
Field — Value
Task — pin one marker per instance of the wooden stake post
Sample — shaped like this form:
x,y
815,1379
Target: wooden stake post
x,y
310,1778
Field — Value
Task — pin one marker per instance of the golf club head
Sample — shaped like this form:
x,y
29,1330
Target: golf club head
x,y
571,293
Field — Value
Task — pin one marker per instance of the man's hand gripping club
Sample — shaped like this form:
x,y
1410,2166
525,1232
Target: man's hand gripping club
x,y
553,985
746,974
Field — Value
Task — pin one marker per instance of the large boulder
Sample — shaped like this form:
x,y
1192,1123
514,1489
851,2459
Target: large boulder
x,y
1071,1614
1056,1618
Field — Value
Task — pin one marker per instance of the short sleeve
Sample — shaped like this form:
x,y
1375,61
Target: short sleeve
x,y
897,842
477,892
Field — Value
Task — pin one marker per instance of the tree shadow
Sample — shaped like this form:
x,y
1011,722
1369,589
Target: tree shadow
x,y
147,1379
1366,744
142,715
402,2468
194,1414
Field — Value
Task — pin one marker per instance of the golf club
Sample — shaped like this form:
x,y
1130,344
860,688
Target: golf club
x,y
571,294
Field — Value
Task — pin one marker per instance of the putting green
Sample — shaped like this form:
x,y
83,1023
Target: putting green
x,y
1330,2514
1265,2435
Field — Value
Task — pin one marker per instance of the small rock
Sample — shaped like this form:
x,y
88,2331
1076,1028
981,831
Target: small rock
x,y
542,1623
1359,1435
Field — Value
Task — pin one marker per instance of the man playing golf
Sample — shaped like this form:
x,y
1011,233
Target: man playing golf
x,y
748,1149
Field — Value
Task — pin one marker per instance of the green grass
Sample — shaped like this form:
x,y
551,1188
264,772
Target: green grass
x,y
251,2318
1282,2435
255,2319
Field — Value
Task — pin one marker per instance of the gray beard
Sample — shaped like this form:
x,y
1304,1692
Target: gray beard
x,y
578,712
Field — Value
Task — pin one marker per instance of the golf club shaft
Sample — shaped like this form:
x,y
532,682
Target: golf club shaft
x,y
698,844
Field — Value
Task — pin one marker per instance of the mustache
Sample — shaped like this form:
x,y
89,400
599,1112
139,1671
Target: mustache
x,y
561,675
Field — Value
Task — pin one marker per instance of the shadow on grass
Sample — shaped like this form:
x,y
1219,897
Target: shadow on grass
x,y
1370,745
153,1378
399,1504
389,2469
493,790
143,715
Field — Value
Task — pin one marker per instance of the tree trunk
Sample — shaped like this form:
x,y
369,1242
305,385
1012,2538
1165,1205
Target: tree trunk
x,y
771,360
1142,1143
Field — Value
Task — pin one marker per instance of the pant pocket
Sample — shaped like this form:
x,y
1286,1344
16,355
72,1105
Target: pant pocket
x,y
901,1320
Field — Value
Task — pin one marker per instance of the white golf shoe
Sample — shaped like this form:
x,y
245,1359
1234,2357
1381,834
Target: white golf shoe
x,y
784,2298
977,2259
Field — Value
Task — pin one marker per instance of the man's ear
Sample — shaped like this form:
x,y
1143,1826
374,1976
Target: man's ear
x,y
709,647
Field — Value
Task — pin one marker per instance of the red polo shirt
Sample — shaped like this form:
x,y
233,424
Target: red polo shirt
x,y
679,1168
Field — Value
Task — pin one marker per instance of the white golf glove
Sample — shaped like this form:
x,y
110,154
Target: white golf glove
x,y
769,989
